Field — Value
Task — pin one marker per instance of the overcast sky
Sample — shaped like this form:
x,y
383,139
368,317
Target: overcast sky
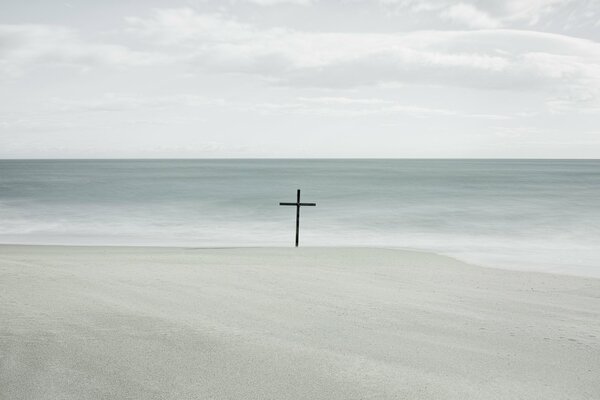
x,y
300,78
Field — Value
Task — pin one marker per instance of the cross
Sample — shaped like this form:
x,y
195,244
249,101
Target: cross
x,y
298,205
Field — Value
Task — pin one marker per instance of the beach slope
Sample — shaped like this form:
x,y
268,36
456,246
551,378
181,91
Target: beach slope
x,y
278,323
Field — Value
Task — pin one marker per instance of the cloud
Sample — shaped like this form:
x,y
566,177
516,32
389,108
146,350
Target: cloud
x,y
496,13
470,16
500,59
124,102
184,25
353,106
531,11
338,106
567,69
24,46
161,106
278,2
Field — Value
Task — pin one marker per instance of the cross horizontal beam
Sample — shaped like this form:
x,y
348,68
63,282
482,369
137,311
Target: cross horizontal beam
x,y
297,204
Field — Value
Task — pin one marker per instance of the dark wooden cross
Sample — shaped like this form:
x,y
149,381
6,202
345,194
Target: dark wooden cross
x,y
298,205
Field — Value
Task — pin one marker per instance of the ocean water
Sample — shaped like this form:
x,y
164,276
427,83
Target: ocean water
x,y
522,214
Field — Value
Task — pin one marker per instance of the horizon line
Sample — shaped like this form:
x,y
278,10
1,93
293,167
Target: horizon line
x,y
296,158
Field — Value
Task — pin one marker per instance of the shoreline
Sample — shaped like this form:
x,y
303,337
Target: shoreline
x,y
524,269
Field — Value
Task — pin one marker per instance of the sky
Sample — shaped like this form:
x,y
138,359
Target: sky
x,y
300,78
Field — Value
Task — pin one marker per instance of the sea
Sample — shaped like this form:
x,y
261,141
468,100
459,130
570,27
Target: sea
x,y
541,215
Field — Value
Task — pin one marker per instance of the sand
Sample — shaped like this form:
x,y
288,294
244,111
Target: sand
x,y
279,323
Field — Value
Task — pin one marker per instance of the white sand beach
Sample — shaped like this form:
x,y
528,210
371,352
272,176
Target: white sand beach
x,y
284,323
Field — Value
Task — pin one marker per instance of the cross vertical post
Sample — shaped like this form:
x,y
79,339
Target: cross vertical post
x,y
297,204
297,216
